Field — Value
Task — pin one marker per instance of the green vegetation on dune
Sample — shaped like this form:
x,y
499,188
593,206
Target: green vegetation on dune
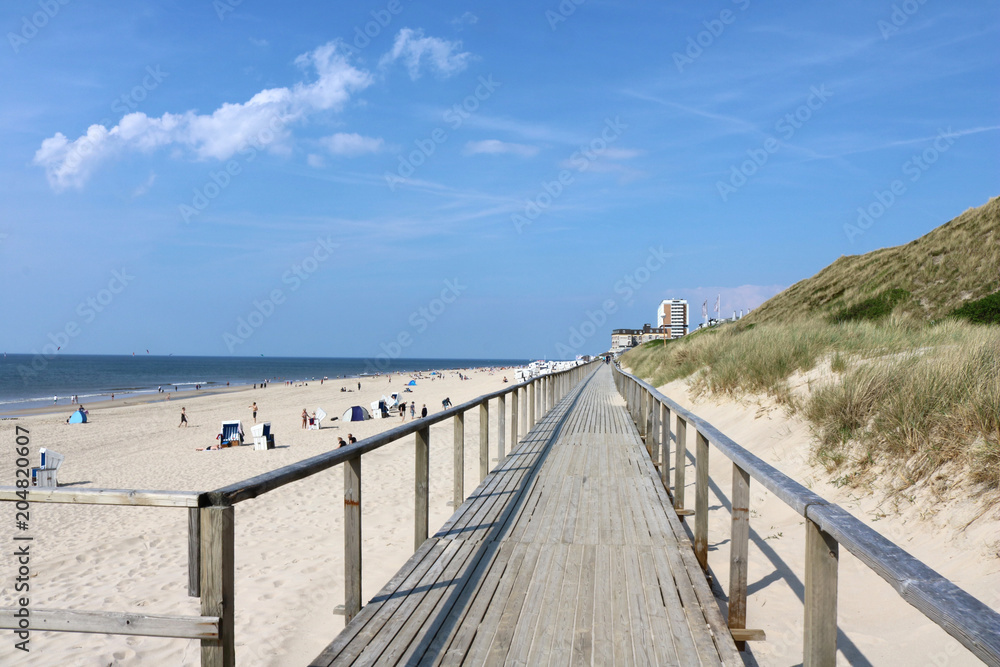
x,y
954,264
905,394
980,311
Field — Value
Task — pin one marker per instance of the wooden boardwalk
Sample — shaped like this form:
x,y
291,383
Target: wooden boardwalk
x,y
567,553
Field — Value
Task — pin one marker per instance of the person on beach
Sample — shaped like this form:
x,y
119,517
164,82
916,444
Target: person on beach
x,y
305,418
359,386
340,442
253,408
184,419
402,412
413,410
423,411
446,403
351,439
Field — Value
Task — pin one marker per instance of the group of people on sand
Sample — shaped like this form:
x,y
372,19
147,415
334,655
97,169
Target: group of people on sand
x,y
413,411
350,441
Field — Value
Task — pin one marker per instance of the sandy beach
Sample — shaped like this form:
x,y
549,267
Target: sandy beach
x,y
950,531
289,543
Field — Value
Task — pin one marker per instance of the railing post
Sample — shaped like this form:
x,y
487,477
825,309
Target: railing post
x,y
643,406
194,552
653,443
822,557
665,445
421,519
458,494
650,420
352,537
514,405
522,398
217,577
501,426
738,551
701,500
531,405
680,464
552,391
484,440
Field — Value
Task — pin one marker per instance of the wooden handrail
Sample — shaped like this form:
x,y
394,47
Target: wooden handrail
x,y
133,497
112,623
975,625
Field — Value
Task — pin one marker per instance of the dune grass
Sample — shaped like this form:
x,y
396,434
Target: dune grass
x,y
904,393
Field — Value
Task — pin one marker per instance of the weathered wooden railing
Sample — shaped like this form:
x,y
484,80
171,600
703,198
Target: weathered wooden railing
x,y
972,623
211,538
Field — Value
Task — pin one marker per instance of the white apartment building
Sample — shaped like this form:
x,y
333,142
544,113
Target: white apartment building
x,y
673,313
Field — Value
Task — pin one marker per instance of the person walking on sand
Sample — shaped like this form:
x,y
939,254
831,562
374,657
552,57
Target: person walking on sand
x,y
423,411
351,439
340,442
413,410
254,409
184,419
359,386
305,418
402,412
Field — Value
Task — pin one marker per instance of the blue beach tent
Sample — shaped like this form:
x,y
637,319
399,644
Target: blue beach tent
x,y
78,417
356,414
412,383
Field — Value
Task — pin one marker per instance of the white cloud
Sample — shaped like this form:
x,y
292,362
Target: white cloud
x,y
144,188
315,161
259,42
496,147
352,145
415,50
468,18
262,121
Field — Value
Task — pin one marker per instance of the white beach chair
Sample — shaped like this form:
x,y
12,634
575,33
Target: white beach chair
x,y
47,473
314,423
263,439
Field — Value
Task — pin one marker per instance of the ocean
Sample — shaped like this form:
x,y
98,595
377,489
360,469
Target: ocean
x,y
29,381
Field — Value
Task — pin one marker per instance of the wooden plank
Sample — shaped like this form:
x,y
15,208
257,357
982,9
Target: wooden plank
x,y
659,637
103,496
217,578
748,635
583,633
352,537
458,464
421,520
374,615
603,628
524,594
416,632
112,623
194,552
820,629
490,583
739,545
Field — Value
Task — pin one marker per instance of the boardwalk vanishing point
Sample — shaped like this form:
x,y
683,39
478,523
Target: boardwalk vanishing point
x,y
569,552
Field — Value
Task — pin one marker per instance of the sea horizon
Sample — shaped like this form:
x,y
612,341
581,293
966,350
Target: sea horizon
x,y
32,380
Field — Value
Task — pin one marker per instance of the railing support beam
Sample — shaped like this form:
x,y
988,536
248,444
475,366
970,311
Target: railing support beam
x,y
352,537
822,559
421,517
217,579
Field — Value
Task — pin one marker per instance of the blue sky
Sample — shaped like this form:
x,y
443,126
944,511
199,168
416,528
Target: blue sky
x,y
466,179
